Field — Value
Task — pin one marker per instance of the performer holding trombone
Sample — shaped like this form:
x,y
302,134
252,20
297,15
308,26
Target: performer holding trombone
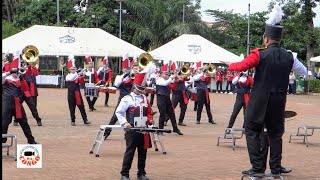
x,y
203,78
179,94
74,79
105,76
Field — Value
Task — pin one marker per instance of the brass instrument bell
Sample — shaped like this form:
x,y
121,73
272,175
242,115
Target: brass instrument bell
x,y
30,55
144,59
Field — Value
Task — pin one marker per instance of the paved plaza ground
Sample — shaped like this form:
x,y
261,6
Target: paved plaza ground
x,y
193,156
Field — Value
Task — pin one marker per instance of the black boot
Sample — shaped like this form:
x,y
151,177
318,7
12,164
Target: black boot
x,y
39,122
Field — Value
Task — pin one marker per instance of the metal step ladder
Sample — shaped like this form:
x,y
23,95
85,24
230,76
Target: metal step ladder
x,y
264,177
99,139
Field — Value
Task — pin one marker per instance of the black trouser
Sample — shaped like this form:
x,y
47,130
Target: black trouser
x,y
236,109
166,109
9,111
219,85
151,99
134,141
178,98
35,101
91,102
195,105
229,83
107,99
264,148
32,107
203,101
72,107
274,121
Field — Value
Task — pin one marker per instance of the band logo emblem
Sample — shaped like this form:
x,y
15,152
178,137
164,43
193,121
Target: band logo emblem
x,y
67,39
194,49
29,156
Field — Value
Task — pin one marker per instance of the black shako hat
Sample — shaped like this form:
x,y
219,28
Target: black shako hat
x,y
273,28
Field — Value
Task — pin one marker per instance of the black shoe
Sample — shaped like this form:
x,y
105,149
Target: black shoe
x,y
32,142
251,172
198,122
94,108
87,122
182,124
91,109
212,122
106,105
143,177
39,122
284,170
15,123
153,113
165,123
125,178
73,123
177,131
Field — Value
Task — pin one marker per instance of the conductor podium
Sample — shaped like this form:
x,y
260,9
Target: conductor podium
x,y
154,134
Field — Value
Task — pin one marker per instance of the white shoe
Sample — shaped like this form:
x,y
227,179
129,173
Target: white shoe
x,y
230,93
216,92
226,92
221,92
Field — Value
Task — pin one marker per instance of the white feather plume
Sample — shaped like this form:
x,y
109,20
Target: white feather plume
x,y
275,16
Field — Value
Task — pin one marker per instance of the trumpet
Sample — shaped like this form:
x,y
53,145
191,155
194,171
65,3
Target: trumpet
x,y
81,72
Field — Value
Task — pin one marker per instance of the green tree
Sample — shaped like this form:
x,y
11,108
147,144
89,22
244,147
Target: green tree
x,y
8,29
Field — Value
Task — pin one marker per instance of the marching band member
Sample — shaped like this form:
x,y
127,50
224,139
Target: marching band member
x,y
127,110
230,77
203,94
152,83
124,83
163,86
5,63
74,94
268,96
243,84
91,77
30,96
105,76
179,95
219,78
13,88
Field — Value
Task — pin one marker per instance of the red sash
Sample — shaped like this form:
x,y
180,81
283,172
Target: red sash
x,y
207,96
246,98
78,97
147,141
32,89
185,99
18,107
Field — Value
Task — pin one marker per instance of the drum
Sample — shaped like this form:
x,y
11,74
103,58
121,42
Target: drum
x,y
91,90
104,89
150,90
193,96
112,90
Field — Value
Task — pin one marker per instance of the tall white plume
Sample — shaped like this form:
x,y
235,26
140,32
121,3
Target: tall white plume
x,y
275,15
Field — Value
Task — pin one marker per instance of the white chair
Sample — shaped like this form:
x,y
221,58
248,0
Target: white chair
x,y
12,143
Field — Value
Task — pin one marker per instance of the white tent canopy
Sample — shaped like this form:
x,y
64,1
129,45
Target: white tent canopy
x,y
193,48
315,59
64,41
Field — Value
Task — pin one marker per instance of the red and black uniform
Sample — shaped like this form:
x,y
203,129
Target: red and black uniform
x,y
6,67
203,96
12,98
179,95
165,106
267,102
74,96
219,79
91,77
30,77
230,76
105,76
243,92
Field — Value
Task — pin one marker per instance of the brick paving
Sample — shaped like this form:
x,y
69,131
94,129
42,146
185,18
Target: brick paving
x,y
194,156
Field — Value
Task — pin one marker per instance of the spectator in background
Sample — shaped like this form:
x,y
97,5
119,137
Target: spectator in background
x,y
292,79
